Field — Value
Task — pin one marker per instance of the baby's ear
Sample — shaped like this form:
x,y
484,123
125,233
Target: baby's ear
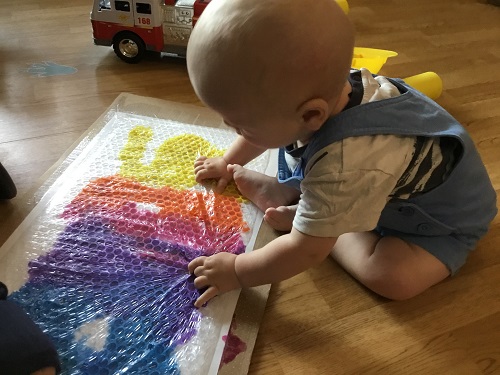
x,y
314,113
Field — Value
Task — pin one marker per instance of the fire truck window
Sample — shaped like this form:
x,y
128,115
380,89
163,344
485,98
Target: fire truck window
x,y
122,5
104,4
143,8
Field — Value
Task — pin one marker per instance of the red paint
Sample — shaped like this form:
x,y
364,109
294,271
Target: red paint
x,y
234,345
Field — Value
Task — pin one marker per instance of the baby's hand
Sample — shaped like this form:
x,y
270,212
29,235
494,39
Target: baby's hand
x,y
206,168
216,273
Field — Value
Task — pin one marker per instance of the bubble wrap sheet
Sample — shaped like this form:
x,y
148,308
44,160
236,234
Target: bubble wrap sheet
x,y
100,263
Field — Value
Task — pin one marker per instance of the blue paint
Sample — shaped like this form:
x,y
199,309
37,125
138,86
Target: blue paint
x,y
92,273
49,68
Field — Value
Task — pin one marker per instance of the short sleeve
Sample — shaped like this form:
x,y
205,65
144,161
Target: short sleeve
x,y
347,188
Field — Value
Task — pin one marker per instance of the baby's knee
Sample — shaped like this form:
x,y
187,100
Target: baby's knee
x,y
394,284
399,270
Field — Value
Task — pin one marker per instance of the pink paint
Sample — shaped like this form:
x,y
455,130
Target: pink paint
x,y
234,345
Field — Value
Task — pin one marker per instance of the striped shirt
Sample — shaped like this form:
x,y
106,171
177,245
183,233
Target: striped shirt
x,y
348,183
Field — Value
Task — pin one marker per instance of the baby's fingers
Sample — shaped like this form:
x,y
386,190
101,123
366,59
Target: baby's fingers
x,y
201,282
195,263
200,160
198,168
202,174
210,293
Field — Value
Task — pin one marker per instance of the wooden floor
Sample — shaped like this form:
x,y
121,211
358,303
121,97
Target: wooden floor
x,y
320,322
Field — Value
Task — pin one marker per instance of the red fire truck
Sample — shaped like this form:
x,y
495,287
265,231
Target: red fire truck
x,y
133,27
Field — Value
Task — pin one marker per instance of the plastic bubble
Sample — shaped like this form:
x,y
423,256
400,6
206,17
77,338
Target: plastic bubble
x,y
107,271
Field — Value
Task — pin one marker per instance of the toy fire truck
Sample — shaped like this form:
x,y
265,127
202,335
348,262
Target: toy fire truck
x,y
133,27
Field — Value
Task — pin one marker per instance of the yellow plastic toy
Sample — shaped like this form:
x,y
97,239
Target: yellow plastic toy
x,y
344,5
428,83
370,58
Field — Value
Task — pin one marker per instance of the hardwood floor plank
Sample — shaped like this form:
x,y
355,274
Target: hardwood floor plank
x,y
481,339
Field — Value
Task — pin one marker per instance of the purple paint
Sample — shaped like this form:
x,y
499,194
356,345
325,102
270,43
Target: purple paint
x,y
91,256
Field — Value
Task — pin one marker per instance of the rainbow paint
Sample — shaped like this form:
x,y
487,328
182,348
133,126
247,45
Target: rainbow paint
x,y
111,286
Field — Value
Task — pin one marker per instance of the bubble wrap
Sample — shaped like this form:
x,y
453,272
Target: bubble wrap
x,y
101,262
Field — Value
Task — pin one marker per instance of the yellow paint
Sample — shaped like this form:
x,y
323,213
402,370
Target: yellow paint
x,y
173,163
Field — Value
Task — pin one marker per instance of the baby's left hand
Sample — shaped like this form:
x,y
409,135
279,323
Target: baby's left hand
x,y
215,272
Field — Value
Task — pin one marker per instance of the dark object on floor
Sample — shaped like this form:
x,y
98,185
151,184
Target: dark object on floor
x,y
24,348
494,2
7,188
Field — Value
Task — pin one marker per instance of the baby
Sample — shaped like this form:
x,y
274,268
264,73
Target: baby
x,y
370,171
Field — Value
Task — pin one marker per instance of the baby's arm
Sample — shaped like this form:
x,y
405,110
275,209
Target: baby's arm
x,y
280,259
240,152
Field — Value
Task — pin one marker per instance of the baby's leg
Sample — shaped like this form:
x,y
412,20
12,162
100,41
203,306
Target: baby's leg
x,y
389,266
264,191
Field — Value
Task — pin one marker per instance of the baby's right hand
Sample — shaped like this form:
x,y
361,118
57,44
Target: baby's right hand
x,y
216,168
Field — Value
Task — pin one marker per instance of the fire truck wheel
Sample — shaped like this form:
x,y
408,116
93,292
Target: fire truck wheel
x,y
129,47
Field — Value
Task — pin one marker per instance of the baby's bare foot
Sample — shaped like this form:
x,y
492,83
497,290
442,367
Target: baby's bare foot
x,y
281,218
264,191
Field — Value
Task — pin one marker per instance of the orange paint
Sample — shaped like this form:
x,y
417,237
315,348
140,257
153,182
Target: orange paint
x,y
115,192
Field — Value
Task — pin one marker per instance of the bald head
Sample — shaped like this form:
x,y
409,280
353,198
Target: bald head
x,y
269,50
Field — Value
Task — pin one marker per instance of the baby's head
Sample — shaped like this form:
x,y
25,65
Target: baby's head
x,y
271,62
